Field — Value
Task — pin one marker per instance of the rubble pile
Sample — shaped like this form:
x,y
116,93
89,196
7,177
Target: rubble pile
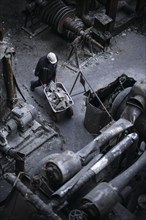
x,y
57,96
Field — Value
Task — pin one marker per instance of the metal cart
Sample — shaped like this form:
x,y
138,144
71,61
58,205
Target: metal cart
x,y
67,108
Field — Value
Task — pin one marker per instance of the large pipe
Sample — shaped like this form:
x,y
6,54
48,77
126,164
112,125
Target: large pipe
x,y
128,174
111,132
31,197
94,170
65,165
105,195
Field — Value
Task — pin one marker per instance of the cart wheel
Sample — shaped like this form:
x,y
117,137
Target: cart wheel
x,y
55,116
69,112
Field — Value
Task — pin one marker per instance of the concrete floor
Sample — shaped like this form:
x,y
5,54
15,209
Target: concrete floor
x,y
126,54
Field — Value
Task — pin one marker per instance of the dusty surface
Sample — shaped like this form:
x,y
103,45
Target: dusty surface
x,y
126,54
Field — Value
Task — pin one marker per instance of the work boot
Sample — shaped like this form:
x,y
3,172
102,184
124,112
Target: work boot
x,y
32,88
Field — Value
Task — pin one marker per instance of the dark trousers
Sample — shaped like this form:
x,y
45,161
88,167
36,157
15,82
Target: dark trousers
x,y
35,84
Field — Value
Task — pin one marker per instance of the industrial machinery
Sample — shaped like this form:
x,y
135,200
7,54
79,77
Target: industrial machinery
x,y
93,22
103,180
85,24
23,132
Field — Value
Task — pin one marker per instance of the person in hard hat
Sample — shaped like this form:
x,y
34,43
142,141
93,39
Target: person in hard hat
x,y
45,70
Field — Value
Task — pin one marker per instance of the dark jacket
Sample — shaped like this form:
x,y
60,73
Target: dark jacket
x,y
45,70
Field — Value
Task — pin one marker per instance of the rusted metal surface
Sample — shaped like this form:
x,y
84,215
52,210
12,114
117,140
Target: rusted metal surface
x,y
6,71
9,82
55,13
7,88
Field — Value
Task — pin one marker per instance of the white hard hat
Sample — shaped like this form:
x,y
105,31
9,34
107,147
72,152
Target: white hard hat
x,y
52,58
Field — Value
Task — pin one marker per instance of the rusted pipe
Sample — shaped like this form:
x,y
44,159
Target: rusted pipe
x,y
9,82
31,197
